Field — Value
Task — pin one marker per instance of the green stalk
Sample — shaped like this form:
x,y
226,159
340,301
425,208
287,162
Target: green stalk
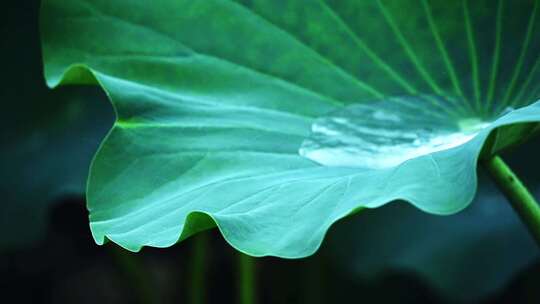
x,y
139,279
198,269
246,281
520,198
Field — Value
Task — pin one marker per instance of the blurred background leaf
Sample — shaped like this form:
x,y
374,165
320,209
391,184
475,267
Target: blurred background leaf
x,y
47,137
467,256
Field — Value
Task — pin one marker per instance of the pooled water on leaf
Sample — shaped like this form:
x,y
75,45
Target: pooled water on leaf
x,y
386,133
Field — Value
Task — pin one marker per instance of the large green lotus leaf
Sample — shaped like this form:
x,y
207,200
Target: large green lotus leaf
x,y
224,109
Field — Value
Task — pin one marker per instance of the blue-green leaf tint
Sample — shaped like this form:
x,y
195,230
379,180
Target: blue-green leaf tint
x,y
215,98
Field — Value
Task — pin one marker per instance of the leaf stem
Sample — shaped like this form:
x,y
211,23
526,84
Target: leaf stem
x,y
198,269
519,196
246,281
133,268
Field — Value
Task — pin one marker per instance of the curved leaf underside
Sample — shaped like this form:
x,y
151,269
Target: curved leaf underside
x,y
215,98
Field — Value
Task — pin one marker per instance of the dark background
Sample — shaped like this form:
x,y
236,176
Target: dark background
x,y
60,263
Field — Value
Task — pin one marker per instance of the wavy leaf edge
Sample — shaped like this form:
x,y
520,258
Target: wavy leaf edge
x,y
83,74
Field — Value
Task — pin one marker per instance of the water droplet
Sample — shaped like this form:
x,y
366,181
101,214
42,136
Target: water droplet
x,y
386,133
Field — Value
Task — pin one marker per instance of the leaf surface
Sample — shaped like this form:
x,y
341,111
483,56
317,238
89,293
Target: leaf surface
x,y
215,100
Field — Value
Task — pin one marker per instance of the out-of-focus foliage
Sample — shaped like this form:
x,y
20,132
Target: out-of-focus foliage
x,y
47,139
47,145
466,257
